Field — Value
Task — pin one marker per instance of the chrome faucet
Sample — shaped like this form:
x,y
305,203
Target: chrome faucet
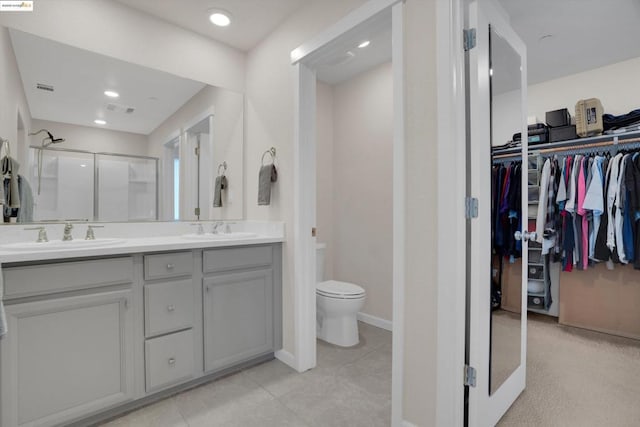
x,y
216,227
90,234
200,230
42,234
67,232
227,229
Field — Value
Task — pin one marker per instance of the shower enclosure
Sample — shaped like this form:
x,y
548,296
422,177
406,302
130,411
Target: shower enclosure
x,y
85,186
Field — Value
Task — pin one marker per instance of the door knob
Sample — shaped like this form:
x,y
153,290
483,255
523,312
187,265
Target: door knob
x,y
525,235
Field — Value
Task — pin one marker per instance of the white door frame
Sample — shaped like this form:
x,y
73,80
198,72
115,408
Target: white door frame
x,y
305,191
452,175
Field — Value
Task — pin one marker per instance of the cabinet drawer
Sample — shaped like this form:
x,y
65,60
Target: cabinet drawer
x,y
237,258
23,281
168,360
168,306
174,264
535,272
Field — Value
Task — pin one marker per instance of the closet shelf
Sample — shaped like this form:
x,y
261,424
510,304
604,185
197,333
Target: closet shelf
x,y
590,142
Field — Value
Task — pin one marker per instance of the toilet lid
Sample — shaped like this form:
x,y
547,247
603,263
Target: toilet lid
x,y
336,289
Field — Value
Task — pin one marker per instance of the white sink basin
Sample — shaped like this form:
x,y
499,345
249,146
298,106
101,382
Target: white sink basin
x,y
221,236
54,245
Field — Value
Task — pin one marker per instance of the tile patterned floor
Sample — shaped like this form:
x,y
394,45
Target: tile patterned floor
x,y
349,387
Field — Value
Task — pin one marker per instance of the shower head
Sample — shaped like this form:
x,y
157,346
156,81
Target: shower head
x,y
49,139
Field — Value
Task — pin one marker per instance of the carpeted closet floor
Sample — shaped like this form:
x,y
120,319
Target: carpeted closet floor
x,y
577,378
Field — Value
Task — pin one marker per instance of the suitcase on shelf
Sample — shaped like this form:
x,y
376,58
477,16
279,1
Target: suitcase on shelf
x,y
589,114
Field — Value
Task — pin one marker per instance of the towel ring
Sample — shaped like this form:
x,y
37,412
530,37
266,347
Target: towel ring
x,y
272,152
222,165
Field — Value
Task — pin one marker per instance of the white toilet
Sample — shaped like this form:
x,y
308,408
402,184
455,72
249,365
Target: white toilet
x,y
337,305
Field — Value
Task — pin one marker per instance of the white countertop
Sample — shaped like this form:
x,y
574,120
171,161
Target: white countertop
x,y
130,246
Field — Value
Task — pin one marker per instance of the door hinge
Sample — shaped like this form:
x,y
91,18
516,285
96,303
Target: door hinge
x,y
469,38
469,376
314,232
196,211
197,150
471,207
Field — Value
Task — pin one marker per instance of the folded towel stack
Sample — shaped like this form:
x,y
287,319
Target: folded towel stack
x,y
268,174
221,184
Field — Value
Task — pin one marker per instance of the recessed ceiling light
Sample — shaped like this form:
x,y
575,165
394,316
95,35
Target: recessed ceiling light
x,y
364,44
220,18
111,94
99,122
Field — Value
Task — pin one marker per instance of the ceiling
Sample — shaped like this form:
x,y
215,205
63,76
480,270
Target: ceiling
x,y
341,60
252,20
586,34
80,78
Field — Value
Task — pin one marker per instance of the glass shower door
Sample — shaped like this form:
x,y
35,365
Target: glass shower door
x,y
62,186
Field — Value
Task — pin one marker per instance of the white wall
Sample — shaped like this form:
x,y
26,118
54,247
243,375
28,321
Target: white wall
x,y
90,138
324,173
421,256
612,84
115,30
270,117
227,108
12,98
269,123
360,194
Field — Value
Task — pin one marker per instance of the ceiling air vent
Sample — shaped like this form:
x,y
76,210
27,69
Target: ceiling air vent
x,y
43,86
119,108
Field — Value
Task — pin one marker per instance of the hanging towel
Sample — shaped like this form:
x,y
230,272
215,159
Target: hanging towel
x,y
25,213
221,184
3,200
3,317
10,167
268,174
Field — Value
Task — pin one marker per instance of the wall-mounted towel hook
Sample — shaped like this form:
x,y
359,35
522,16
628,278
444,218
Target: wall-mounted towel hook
x,y
222,165
272,152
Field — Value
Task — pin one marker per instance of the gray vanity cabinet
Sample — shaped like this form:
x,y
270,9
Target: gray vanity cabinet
x,y
241,306
66,355
91,337
238,319
170,308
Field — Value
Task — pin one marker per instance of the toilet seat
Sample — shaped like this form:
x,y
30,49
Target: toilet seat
x,y
339,290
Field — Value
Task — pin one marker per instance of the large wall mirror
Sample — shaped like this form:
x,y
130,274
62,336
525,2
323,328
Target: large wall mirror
x,y
107,140
506,296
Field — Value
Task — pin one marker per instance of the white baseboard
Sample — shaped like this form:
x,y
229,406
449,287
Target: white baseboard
x,y
375,321
286,358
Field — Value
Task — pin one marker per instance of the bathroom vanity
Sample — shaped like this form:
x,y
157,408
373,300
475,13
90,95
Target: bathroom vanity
x,y
99,333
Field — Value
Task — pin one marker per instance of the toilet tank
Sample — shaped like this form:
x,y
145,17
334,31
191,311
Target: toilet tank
x,y
320,251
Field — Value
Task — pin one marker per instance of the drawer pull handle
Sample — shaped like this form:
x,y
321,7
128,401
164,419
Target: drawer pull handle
x,y
172,361
171,308
170,266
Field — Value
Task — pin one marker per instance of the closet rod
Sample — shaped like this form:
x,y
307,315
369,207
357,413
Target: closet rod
x,y
611,143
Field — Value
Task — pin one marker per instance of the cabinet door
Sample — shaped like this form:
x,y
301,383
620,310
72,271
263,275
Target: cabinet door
x,y
65,358
238,317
